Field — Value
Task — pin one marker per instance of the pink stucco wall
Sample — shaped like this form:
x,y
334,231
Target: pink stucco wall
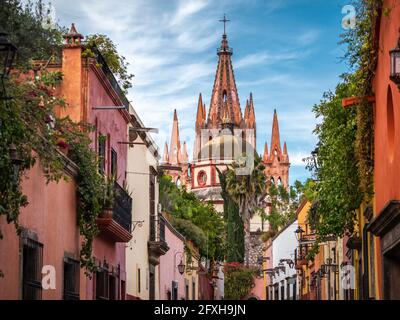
x,y
51,216
168,264
113,125
259,289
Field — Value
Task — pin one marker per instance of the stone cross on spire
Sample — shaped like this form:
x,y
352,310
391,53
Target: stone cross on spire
x,y
224,20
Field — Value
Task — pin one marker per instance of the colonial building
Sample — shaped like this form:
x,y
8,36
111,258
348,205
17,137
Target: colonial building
x,y
222,136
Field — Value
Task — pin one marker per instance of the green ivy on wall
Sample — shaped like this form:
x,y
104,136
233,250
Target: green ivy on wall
x,y
238,281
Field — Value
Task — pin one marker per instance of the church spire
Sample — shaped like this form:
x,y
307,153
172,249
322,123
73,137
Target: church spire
x,y
251,116
185,156
175,145
200,114
166,155
275,139
265,155
224,94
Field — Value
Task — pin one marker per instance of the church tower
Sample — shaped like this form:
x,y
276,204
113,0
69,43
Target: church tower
x,y
220,133
276,162
176,156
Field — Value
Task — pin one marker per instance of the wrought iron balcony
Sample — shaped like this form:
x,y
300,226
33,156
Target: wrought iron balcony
x,y
117,226
122,207
157,246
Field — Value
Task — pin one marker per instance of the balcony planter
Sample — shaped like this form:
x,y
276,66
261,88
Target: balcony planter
x,y
115,221
106,214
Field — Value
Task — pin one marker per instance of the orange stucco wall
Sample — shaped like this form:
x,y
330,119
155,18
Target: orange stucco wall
x,y
387,168
387,153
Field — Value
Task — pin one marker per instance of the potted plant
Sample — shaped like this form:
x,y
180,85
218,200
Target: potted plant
x,y
108,198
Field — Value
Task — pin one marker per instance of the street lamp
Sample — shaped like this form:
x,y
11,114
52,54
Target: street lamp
x,y
181,267
395,64
289,262
7,54
299,233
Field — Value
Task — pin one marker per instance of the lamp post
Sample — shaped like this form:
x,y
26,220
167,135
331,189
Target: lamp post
x,y
299,233
395,64
7,56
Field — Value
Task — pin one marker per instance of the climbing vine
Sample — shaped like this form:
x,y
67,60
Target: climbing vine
x,y
92,188
362,54
29,124
238,280
343,161
116,62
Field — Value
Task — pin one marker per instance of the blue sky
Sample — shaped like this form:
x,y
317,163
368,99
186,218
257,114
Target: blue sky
x,y
285,52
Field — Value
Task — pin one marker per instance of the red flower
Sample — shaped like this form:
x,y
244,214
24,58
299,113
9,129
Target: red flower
x,y
62,144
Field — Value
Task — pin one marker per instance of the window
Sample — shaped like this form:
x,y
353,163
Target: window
x,y
102,153
174,290
123,290
112,285
202,178
152,276
114,163
71,279
287,289
193,289
187,290
152,191
390,125
138,280
32,263
102,284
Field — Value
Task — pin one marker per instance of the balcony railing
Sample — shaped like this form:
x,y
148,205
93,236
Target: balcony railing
x,y
122,212
110,76
157,228
157,245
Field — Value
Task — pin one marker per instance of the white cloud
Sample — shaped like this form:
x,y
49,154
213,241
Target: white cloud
x,y
170,46
186,8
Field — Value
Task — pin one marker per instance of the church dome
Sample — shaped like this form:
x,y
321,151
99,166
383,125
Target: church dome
x,y
226,147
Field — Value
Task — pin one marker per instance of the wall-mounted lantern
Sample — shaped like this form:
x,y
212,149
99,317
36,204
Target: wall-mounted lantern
x,y
395,64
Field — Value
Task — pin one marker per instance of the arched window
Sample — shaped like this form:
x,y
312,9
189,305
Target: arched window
x,y
224,96
178,182
390,124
